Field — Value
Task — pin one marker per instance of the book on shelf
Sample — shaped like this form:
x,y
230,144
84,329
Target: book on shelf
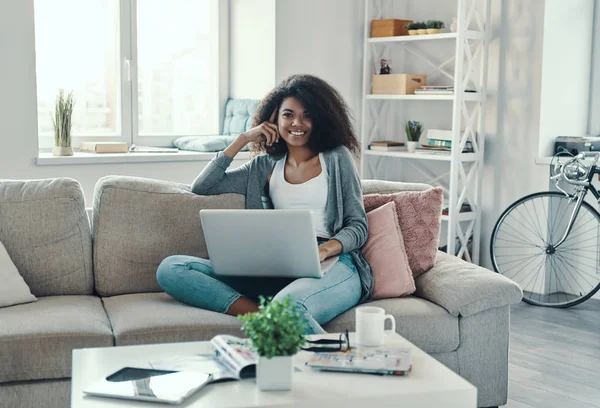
x,y
103,147
434,92
439,134
381,360
232,359
387,148
448,143
467,149
386,143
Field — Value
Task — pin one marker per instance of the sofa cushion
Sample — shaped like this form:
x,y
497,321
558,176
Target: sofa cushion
x,y
423,323
138,223
214,143
45,229
158,318
384,250
13,290
37,339
419,216
238,115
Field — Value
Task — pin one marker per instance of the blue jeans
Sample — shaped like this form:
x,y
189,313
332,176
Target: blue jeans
x,y
191,280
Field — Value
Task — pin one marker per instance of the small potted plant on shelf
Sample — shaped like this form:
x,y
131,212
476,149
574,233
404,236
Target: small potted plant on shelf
x,y
61,119
434,26
412,28
413,129
276,332
421,27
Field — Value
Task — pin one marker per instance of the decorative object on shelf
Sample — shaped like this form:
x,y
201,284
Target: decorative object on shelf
x,y
434,26
413,129
276,332
389,27
453,26
397,84
421,28
384,68
412,28
61,119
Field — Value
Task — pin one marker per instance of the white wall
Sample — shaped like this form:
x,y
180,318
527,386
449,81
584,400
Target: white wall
x,y
252,47
566,66
322,38
18,114
594,118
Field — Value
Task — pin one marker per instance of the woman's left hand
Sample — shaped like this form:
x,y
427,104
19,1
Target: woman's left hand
x,y
323,253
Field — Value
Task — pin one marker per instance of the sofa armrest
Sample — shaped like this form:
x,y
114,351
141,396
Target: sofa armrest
x,y
465,289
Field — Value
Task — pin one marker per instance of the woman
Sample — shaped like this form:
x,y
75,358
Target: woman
x,y
304,130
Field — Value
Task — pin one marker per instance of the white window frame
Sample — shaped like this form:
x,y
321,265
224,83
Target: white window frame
x,y
129,84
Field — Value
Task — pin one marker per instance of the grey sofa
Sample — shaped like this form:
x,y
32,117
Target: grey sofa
x,y
97,288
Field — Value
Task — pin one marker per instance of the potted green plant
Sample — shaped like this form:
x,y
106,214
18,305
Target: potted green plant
x,y
412,28
421,27
413,130
61,119
276,332
434,26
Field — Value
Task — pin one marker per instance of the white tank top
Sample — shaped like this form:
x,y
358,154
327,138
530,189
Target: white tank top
x,y
311,195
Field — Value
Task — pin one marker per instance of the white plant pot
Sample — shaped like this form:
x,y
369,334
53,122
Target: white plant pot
x,y
62,151
412,147
274,374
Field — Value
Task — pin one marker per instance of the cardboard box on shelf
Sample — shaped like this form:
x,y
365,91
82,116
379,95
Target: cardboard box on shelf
x,y
397,84
389,27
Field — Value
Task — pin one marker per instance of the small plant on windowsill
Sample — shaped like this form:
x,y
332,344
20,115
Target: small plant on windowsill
x,y
276,332
434,26
62,121
413,130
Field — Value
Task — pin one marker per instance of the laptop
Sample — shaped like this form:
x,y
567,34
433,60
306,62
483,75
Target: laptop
x,y
263,243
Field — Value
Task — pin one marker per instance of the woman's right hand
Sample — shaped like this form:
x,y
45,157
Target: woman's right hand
x,y
266,131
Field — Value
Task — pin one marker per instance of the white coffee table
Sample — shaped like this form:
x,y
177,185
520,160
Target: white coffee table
x,y
430,384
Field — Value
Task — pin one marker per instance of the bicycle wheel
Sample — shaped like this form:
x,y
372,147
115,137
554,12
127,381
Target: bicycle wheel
x,y
522,249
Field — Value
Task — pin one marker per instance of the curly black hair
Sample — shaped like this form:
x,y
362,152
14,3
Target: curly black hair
x,y
332,121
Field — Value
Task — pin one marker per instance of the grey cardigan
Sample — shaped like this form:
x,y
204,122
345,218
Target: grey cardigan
x,y
344,211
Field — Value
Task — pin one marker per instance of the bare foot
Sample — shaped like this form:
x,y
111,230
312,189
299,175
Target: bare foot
x,y
242,306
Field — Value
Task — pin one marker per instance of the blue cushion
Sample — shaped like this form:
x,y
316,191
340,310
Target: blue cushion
x,y
214,143
238,118
238,115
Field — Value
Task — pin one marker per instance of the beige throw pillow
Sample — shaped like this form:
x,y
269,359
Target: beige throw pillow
x,y
13,289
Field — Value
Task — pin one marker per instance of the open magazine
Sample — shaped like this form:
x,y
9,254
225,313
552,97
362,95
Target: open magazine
x,y
382,360
232,359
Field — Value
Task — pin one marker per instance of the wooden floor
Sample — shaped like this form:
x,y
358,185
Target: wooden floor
x,y
554,357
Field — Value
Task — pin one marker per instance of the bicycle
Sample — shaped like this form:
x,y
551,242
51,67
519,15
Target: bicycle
x,y
549,242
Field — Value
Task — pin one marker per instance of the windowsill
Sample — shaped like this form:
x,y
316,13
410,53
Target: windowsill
x,y
47,159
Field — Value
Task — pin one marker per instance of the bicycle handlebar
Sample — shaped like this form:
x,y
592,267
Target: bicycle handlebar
x,y
575,174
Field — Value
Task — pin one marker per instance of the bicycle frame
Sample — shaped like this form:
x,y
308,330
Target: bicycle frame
x,y
582,190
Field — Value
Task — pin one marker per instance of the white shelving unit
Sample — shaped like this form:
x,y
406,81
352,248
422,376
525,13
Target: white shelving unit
x,y
462,182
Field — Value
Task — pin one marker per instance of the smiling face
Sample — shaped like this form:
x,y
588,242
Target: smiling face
x,y
295,124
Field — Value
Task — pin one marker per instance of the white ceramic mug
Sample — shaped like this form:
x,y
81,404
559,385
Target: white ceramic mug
x,y
370,323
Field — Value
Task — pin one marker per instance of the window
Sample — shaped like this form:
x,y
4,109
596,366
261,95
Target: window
x,y
141,71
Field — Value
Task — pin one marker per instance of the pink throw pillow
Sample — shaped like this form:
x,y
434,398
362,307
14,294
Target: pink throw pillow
x,y
419,216
384,250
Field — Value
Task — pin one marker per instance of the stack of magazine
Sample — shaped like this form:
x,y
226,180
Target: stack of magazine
x,y
232,359
381,360
435,90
